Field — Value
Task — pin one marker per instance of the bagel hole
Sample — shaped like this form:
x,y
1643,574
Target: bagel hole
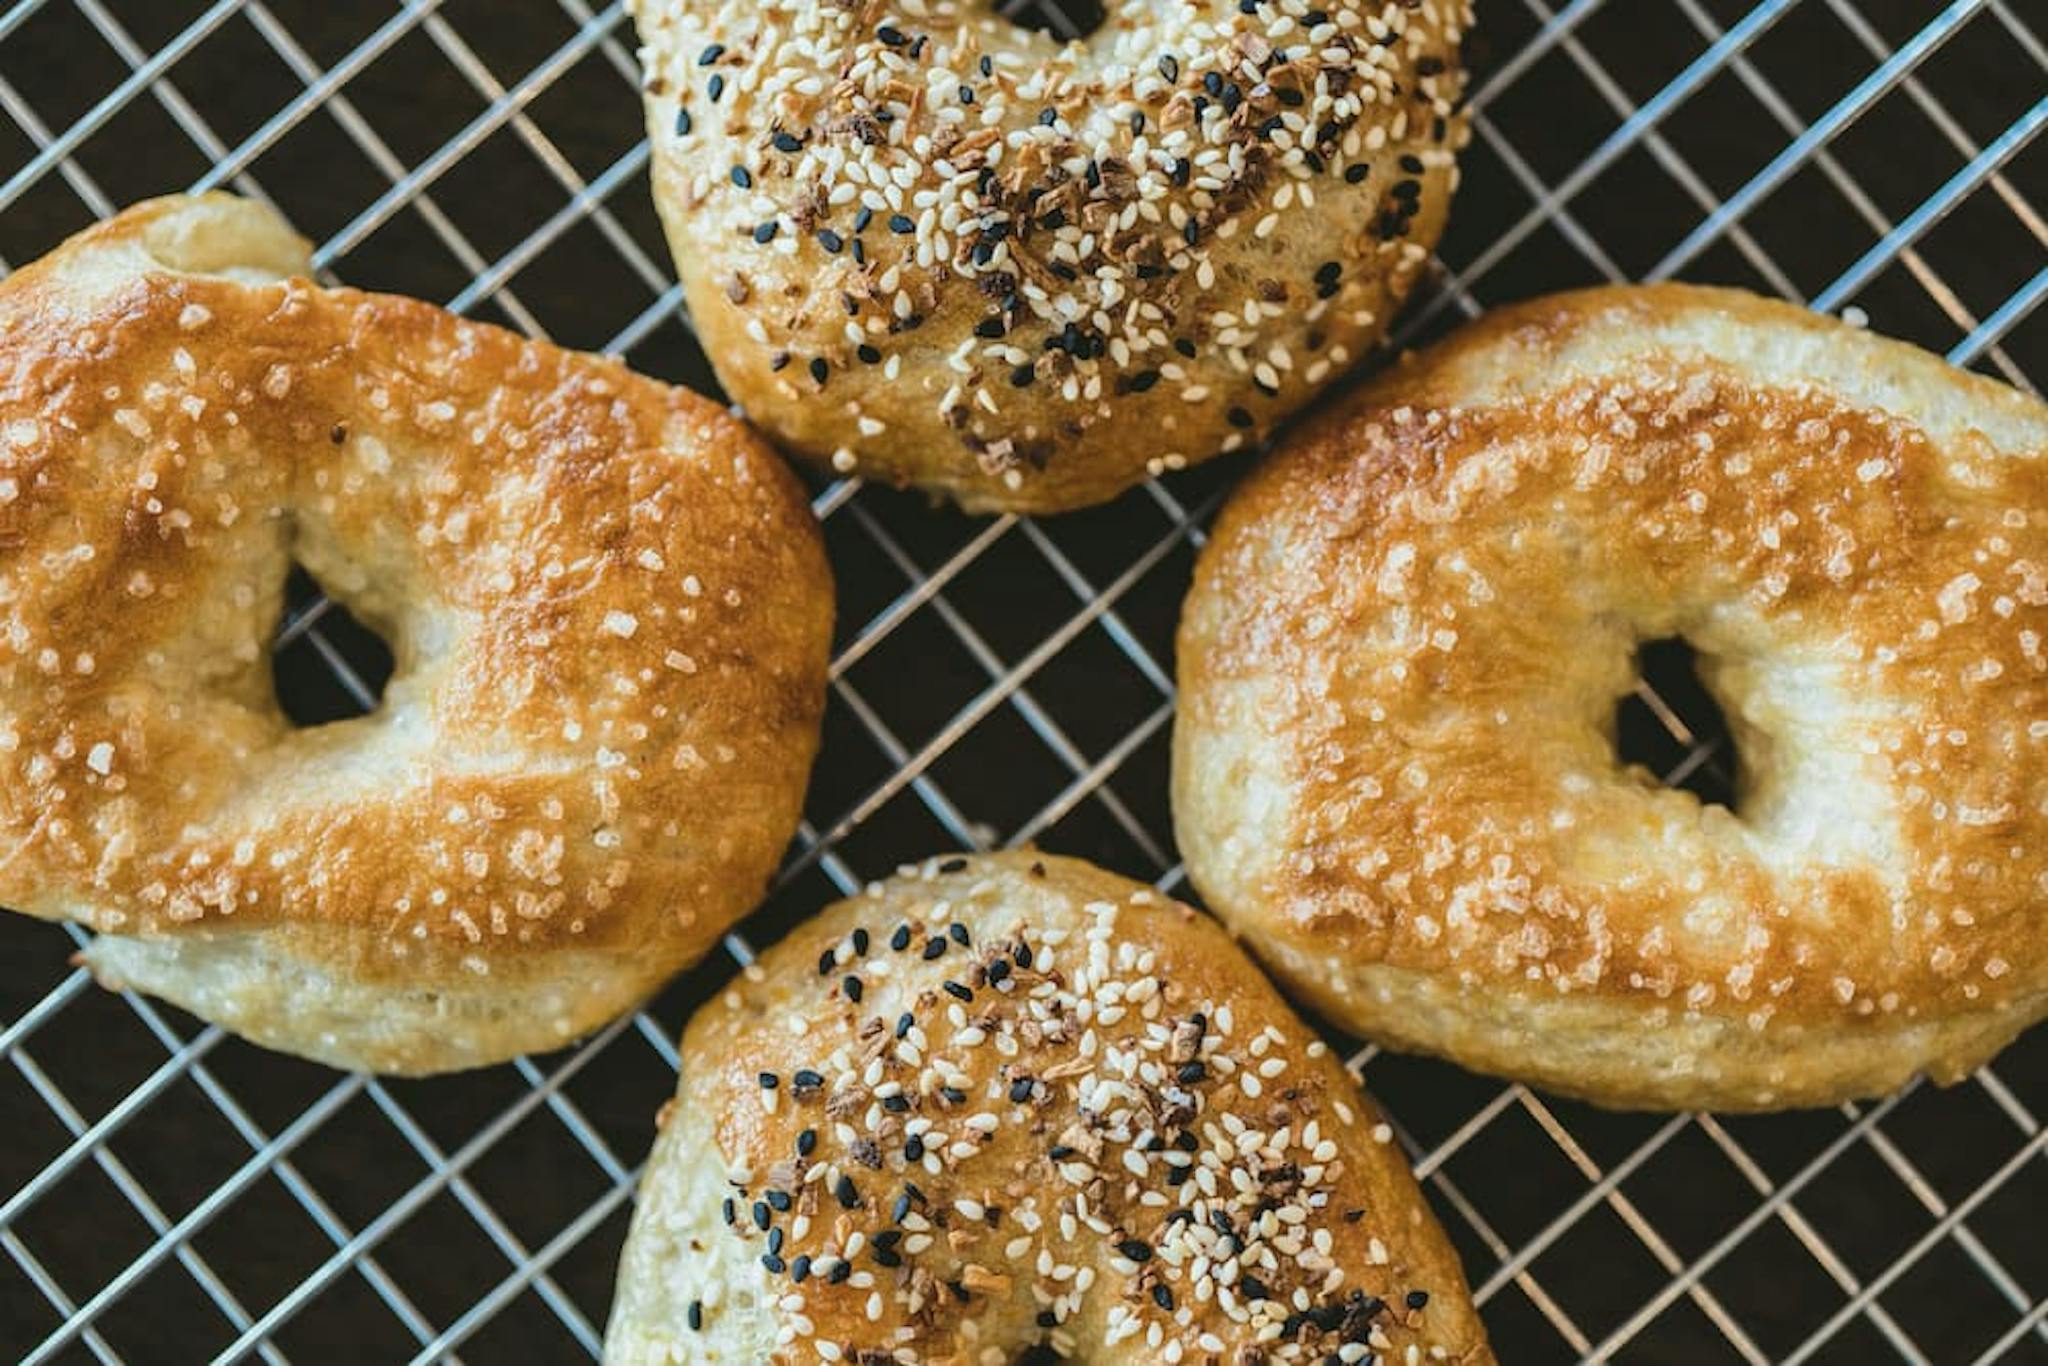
x,y
326,665
1060,20
1671,725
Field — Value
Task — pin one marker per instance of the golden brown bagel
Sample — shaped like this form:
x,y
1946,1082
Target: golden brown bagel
x,y
607,602
924,243
1394,767
1014,1086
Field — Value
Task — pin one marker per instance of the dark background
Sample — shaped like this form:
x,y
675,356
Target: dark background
x,y
998,680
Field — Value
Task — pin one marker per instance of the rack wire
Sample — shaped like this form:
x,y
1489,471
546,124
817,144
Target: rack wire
x,y
174,1194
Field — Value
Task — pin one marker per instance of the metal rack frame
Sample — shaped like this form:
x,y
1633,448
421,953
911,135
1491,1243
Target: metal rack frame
x,y
1688,1313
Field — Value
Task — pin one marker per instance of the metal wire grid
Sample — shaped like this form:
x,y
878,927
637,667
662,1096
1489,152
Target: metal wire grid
x,y
313,1216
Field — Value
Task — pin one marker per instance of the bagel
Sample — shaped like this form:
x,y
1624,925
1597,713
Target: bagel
x,y
607,602
1015,1101
1394,766
926,244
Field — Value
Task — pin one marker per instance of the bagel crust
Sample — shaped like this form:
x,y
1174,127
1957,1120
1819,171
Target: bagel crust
x,y
607,602
929,245
1394,769
1015,1100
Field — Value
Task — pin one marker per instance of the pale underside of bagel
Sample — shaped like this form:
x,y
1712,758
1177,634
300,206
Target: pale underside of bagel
x,y
1395,771
1073,1171
606,602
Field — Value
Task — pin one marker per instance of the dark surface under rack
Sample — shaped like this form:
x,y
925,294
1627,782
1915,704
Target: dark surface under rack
x,y
168,1193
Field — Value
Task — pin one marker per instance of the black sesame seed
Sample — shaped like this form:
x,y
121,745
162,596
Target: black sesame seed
x,y
891,35
897,1104
742,177
967,94
761,1216
800,1270
1417,1298
1143,381
788,143
988,65
1169,66
933,947
827,961
998,971
1162,1296
852,986
991,327
844,1189
868,354
831,240
695,1315
1048,1319
776,1266
903,1023
819,371
900,1209
1020,1090
715,87
888,1257
1023,955
807,1082
769,1081
900,940
731,1211
1137,123
1137,1249
1191,1072
1048,117
952,1095
957,931
1059,1152
840,1271
1252,1288
711,54
806,1142
1022,376
913,1148
775,1240
860,251
958,992
1356,172
899,224
682,123
860,942
863,218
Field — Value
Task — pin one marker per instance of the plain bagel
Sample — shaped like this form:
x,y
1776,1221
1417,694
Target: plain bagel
x,y
1013,1100
607,601
924,243
1394,765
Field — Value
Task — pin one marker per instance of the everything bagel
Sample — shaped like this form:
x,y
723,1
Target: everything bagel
x,y
1011,1101
1394,767
607,602
924,243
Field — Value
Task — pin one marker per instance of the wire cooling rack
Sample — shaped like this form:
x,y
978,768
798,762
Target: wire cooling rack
x,y
168,1193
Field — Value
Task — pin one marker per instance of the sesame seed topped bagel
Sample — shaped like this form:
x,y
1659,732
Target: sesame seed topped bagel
x,y
607,602
922,242
1394,766
1014,1101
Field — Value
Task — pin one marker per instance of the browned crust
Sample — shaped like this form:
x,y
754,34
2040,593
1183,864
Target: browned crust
x,y
1402,651
1225,354
793,1013
608,601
